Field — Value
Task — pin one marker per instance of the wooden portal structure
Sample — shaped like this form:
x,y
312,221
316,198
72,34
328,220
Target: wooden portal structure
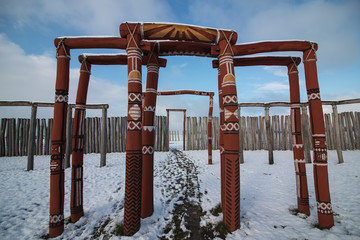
x,y
211,100
139,39
168,110
298,148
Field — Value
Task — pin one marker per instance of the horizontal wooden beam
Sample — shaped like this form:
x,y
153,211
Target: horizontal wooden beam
x,y
272,46
114,59
182,92
43,104
262,61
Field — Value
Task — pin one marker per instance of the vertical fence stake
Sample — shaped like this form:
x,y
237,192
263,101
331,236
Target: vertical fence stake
x,y
103,137
337,134
269,135
31,141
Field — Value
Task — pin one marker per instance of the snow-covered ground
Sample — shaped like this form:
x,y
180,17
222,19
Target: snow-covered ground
x,y
267,196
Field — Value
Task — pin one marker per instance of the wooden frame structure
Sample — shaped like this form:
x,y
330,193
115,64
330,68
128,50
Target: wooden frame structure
x,y
298,149
211,100
182,40
168,110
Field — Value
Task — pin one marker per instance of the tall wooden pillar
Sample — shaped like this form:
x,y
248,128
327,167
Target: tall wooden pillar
x,y
76,202
209,128
221,143
133,135
298,148
324,208
58,138
231,133
148,137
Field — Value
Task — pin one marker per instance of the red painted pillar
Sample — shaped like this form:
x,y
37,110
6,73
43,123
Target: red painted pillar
x,y
76,202
209,129
298,148
58,138
231,134
221,142
133,136
325,214
148,137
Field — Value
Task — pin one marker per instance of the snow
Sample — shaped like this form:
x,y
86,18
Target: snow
x,y
267,196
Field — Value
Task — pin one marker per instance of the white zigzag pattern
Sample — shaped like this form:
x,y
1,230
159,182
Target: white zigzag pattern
x,y
314,96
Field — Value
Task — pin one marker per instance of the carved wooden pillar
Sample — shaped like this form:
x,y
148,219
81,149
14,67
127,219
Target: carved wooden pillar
x,y
325,214
58,138
209,129
76,202
298,148
231,133
148,137
221,142
133,135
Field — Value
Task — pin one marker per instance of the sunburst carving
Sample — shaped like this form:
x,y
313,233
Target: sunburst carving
x,y
153,31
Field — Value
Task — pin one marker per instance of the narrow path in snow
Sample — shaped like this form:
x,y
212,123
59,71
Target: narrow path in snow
x,y
182,185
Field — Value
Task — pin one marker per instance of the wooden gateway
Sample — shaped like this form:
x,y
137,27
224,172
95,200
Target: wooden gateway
x,y
140,42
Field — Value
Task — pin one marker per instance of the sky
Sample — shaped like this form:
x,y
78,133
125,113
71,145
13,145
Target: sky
x,y
28,62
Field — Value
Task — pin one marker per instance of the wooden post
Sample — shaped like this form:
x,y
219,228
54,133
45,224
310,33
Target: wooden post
x,y
148,134
321,182
103,141
68,136
231,210
337,134
305,133
297,143
132,209
269,134
31,141
184,130
76,197
58,137
167,128
209,130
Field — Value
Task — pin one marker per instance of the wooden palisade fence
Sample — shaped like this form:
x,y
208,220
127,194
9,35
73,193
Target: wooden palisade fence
x,y
15,134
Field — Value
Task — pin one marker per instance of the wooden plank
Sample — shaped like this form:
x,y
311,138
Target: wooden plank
x,y
270,135
46,141
356,124
305,133
337,139
31,141
17,137
20,139
37,138
350,130
342,131
103,137
42,131
327,131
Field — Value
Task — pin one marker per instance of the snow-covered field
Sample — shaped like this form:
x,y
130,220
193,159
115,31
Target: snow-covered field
x,y
267,196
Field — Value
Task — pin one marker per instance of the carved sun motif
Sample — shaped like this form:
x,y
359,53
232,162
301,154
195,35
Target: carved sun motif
x,y
180,32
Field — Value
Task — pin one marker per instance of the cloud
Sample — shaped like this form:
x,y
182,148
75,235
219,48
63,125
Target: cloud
x,y
332,24
277,71
272,87
88,16
32,78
